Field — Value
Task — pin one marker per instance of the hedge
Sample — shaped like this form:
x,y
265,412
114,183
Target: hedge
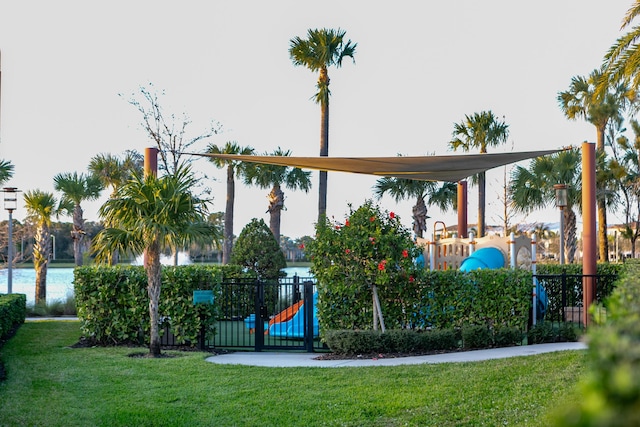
x,y
13,311
113,304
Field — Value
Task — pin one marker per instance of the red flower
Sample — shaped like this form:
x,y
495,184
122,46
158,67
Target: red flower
x,y
337,227
392,215
346,223
372,240
382,265
347,251
405,253
373,218
301,246
411,279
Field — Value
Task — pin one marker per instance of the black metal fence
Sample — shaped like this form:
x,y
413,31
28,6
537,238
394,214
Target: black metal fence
x,y
564,294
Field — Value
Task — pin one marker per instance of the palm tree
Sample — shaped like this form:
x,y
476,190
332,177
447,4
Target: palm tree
x,y
532,188
75,189
622,59
321,49
625,167
113,171
40,206
151,215
443,196
582,101
232,166
6,171
479,131
265,176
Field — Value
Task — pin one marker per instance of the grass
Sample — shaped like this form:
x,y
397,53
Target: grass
x,y
54,385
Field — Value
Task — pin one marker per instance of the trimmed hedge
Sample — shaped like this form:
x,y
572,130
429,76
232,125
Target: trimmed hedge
x,y
13,312
435,299
113,304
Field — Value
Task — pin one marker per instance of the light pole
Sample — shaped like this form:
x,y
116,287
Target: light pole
x,y
561,202
10,204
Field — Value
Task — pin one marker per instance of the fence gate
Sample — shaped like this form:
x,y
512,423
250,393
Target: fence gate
x,y
267,315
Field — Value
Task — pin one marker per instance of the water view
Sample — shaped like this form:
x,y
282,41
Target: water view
x,y
60,281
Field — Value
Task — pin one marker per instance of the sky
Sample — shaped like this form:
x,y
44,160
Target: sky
x,y
69,69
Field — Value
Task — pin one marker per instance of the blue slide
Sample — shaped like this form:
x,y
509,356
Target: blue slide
x,y
483,258
294,328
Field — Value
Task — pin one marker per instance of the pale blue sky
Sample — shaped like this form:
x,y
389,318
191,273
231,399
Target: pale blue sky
x,y
420,67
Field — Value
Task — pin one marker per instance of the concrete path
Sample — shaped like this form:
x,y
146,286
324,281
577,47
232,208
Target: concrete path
x,y
287,360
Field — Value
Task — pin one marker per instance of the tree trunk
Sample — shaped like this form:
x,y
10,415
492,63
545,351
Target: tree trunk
x,y
603,242
570,242
419,217
276,204
77,234
41,251
481,203
227,245
154,285
324,147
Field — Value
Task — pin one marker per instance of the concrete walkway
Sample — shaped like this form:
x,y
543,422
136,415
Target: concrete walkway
x,y
288,360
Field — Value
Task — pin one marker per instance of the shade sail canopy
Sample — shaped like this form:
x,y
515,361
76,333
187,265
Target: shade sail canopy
x,y
451,168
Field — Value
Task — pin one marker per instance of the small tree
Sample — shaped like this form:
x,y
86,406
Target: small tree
x,y
256,249
371,250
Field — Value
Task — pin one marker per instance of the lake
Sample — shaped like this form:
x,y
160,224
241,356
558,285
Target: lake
x,y
60,281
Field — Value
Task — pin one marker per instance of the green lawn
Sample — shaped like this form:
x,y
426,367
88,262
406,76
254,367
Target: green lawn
x,y
50,384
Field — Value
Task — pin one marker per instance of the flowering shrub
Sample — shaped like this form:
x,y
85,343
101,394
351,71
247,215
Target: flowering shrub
x,y
370,247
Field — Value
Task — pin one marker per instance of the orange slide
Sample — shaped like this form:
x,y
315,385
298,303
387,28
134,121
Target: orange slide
x,y
285,315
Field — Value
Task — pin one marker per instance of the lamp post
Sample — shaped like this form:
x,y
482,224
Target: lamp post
x,y
10,204
561,202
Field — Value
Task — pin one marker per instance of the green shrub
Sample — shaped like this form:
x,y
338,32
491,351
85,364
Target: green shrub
x,y
611,389
476,336
548,332
350,342
13,309
257,250
507,336
113,304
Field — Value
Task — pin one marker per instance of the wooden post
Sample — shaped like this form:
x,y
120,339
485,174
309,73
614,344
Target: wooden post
x,y
462,209
589,255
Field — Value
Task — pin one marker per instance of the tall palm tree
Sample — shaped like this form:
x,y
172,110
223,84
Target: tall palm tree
x,y
479,131
232,166
40,207
532,188
582,101
150,215
443,196
321,49
622,59
75,189
6,171
265,176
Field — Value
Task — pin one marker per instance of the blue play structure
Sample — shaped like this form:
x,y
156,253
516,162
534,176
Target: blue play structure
x,y
294,328
483,258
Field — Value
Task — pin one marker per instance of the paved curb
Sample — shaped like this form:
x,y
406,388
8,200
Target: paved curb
x,y
287,360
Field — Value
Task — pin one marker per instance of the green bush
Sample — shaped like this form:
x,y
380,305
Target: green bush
x,y
350,342
548,332
257,250
611,390
476,336
507,336
113,304
13,311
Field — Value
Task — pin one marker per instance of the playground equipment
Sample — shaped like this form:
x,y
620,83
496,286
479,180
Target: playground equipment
x,y
490,252
289,323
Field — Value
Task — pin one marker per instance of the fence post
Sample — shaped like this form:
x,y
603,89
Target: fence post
x,y
535,279
308,316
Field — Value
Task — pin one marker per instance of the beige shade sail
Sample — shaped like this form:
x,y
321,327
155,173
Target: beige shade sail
x,y
450,168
